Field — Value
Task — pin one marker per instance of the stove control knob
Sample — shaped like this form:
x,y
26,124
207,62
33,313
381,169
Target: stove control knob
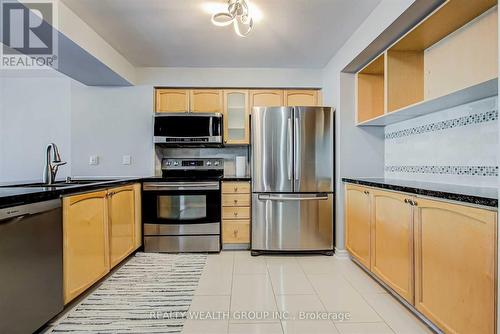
x,y
217,163
176,163
168,163
209,163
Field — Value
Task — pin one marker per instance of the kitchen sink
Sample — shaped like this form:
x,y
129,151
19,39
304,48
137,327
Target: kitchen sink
x,y
58,184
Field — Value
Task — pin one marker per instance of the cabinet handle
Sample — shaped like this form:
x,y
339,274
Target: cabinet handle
x,y
235,201
235,189
407,201
235,232
414,203
366,192
236,214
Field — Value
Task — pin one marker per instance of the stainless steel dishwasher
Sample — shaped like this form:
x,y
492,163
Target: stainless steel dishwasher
x,y
31,288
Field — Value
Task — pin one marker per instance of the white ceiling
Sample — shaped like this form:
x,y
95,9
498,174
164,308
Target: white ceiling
x,y
178,33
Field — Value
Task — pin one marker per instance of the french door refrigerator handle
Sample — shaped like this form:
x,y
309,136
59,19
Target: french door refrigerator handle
x,y
296,153
284,198
290,148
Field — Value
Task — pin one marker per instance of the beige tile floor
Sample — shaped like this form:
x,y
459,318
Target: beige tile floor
x,y
235,283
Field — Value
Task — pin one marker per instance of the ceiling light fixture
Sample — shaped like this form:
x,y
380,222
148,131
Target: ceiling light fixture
x,y
238,13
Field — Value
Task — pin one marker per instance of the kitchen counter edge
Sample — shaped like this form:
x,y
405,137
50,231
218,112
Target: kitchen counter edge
x,y
474,195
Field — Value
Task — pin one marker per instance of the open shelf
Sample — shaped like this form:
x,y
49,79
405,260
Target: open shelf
x,y
466,95
452,52
370,90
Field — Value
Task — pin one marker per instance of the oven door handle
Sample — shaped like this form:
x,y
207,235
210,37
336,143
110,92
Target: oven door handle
x,y
181,186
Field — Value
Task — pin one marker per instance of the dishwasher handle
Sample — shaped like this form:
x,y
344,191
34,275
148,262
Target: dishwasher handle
x,y
19,211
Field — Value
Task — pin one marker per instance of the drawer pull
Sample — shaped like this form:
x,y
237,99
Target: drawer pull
x,y
235,232
235,189
235,201
236,214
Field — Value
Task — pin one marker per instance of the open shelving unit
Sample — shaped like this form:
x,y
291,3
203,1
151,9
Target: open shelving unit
x,y
449,58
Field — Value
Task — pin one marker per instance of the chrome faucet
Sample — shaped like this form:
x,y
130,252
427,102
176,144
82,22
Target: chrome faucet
x,y
52,164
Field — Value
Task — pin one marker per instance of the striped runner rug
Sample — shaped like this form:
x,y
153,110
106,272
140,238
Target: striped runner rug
x,y
149,294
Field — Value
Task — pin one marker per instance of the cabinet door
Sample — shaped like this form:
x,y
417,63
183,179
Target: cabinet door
x,y
455,255
392,241
236,117
172,100
357,219
236,232
122,223
138,215
301,98
85,233
266,98
206,100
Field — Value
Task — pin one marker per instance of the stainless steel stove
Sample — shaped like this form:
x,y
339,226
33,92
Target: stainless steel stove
x,y
182,209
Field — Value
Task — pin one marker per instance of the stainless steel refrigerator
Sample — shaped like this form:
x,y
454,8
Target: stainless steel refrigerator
x,y
292,179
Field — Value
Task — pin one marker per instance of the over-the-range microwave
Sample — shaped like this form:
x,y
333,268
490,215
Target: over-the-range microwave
x,y
188,129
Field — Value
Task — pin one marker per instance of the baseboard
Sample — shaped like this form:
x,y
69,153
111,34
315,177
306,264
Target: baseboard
x,y
341,254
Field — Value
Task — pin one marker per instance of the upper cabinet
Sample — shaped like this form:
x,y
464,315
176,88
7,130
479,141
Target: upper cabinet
x,y
266,98
236,117
172,100
206,100
302,98
448,59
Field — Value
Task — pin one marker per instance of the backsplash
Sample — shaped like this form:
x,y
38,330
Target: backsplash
x,y
456,145
229,155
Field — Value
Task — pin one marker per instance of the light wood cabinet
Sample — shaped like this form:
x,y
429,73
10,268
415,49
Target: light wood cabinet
x,y
121,208
266,98
392,241
236,212
357,218
85,235
172,100
206,100
236,231
455,266
302,97
236,117
138,215
100,229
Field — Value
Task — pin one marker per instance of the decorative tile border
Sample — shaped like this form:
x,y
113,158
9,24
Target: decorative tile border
x,y
452,170
488,116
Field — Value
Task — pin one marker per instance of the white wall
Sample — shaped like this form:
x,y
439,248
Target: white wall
x,y
35,111
358,151
110,123
230,77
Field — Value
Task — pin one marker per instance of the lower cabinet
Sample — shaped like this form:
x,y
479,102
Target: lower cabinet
x,y
85,247
392,241
357,228
455,275
236,213
121,223
438,256
99,230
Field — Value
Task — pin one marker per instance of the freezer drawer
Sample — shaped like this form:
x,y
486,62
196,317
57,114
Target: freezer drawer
x,y
292,222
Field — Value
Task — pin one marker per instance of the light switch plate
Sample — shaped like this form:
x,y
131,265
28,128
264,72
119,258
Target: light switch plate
x,y
93,160
126,160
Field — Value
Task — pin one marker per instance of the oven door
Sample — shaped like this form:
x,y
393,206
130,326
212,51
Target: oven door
x,y
181,208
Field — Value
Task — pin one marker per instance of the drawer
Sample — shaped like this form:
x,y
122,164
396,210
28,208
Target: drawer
x,y
235,231
236,200
235,212
236,187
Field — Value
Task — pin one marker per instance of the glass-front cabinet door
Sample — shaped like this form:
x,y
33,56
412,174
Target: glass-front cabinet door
x,y
236,117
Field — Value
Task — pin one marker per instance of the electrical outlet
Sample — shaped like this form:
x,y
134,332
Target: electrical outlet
x,y
93,160
126,160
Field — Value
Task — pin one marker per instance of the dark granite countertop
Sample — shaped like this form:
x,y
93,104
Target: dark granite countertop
x,y
12,194
487,196
236,178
